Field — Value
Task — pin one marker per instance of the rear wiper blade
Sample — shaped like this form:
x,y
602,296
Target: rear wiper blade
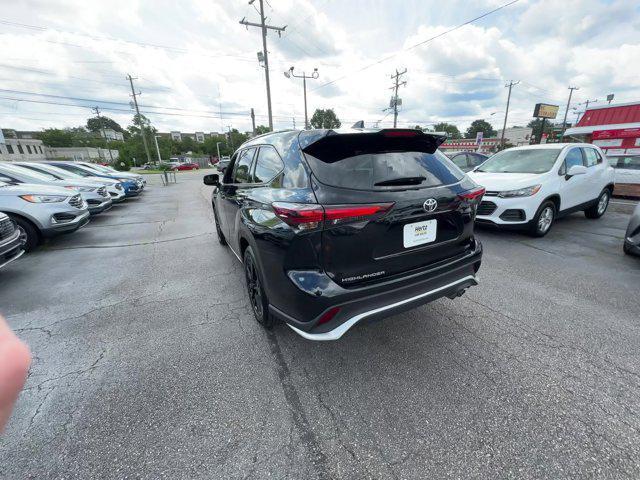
x,y
401,181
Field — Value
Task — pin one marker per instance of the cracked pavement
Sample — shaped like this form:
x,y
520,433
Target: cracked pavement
x,y
149,364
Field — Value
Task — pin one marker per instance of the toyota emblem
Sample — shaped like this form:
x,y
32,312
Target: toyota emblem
x,y
430,205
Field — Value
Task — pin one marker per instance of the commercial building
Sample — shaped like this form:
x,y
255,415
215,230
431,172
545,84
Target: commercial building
x,y
614,128
80,154
20,146
488,145
516,136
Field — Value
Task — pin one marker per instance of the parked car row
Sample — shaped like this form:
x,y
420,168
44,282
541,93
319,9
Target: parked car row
x,y
336,227
43,199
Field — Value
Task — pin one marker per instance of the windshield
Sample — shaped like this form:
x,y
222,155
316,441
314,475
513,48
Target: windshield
x,y
28,173
58,172
521,161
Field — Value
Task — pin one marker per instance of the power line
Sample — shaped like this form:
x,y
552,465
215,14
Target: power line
x,y
424,42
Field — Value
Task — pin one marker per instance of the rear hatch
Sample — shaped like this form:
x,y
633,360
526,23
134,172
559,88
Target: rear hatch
x,y
393,203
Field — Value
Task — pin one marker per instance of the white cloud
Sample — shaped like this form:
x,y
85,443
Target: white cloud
x,y
210,65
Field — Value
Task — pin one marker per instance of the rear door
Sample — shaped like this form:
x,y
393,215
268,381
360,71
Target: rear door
x,y
392,205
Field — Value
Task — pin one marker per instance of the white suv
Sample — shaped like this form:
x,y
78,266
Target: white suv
x,y
529,187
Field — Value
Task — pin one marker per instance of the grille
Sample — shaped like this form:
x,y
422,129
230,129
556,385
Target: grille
x,y
102,191
513,215
118,186
491,193
76,201
93,201
6,228
486,208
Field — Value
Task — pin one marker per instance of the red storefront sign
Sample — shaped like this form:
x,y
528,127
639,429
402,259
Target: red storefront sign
x,y
621,133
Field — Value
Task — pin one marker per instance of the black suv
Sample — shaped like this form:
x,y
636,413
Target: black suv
x,y
335,227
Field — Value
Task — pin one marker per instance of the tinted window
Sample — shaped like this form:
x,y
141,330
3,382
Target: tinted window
x,y
75,169
363,172
630,163
268,165
242,169
591,156
574,157
529,160
460,160
475,160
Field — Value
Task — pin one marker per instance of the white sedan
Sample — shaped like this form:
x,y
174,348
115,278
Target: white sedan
x,y
529,187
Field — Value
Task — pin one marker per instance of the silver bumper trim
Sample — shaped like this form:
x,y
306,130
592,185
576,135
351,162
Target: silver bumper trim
x,y
341,329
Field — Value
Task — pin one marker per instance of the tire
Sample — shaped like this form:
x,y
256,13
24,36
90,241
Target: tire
x,y
257,297
28,233
221,239
543,220
626,248
600,207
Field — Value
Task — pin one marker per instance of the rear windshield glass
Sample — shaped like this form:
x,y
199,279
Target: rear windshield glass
x,y
368,171
538,160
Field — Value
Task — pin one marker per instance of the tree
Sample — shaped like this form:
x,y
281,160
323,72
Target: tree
x,y
450,128
96,124
260,129
536,125
325,119
54,137
480,125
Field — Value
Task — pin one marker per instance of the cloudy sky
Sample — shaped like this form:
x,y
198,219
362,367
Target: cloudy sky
x,y
197,69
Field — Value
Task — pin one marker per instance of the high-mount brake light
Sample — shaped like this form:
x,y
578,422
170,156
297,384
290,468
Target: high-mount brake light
x,y
309,216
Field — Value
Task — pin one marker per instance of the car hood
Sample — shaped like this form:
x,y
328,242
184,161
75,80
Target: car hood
x,y
102,180
35,189
505,181
79,183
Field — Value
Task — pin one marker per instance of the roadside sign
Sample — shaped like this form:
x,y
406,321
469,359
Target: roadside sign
x,y
479,137
544,138
544,110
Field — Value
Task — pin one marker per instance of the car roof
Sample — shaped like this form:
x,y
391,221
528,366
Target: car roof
x,y
557,146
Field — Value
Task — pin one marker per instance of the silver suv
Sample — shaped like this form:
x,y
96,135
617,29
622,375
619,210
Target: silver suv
x,y
42,211
95,194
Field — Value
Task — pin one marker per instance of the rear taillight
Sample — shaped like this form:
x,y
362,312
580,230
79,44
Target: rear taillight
x,y
475,194
309,216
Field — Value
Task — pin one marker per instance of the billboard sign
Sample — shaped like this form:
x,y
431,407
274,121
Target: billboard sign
x,y
619,133
544,110
479,137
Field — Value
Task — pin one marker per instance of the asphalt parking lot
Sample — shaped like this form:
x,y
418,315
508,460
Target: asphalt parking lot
x,y
148,362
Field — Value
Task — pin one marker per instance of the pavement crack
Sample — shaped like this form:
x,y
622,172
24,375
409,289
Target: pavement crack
x,y
135,244
308,437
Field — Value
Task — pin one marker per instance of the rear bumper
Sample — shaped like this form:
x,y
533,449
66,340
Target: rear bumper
x,y
379,301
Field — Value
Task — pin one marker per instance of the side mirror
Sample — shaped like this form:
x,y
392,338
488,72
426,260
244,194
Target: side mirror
x,y
576,170
212,179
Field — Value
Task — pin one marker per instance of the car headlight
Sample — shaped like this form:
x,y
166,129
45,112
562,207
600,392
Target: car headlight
x,y
118,186
43,198
521,192
81,189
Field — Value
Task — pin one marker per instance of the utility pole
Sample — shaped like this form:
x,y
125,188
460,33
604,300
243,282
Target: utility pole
x,y
294,122
96,110
289,73
397,84
506,112
230,138
586,104
264,27
155,138
253,122
142,132
218,148
564,122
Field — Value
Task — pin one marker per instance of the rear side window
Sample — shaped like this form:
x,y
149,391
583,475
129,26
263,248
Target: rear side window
x,y
591,157
268,165
460,160
242,169
364,172
629,163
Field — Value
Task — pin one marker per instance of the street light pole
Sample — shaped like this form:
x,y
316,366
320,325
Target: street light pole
x,y
155,138
218,148
564,122
289,73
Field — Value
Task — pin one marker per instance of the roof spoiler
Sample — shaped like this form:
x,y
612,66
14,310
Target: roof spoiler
x,y
333,146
